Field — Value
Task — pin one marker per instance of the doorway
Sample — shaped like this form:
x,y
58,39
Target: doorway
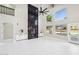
x,y
32,22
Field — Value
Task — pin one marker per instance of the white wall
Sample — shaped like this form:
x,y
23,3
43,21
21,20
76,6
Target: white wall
x,y
19,21
21,16
6,19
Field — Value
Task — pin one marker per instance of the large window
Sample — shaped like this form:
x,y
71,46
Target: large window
x,y
61,14
7,10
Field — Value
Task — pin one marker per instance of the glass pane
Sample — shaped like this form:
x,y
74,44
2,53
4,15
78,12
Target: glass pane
x,y
7,11
3,9
0,8
61,14
12,11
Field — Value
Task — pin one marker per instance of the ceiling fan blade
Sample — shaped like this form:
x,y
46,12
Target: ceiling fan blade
x,y
45,9
42,13
40,8
45,13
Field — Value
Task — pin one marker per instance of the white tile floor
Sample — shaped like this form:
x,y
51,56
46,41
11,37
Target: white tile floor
x,y
40,46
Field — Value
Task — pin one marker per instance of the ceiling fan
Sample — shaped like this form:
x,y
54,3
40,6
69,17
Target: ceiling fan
x,y
43,11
